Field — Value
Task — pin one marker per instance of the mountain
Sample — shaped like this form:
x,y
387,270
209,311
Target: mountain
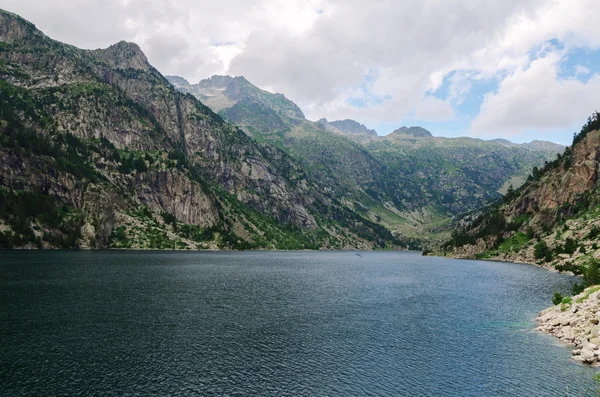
x,y
409,181
552,220
464,173
242,103
350,128
341,164
415,132
99,150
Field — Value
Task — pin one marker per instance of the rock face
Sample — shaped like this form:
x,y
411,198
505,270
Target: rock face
x,y
214,83
576,324
120,158
566,182
123,55
100,216
170,191
242,103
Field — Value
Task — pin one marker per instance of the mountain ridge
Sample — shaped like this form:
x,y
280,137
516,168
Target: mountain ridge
x,y
394,178
117,158
552,220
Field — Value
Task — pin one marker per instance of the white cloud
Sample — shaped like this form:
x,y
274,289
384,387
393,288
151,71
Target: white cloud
x,y
581,70
318,52
434,109
536,98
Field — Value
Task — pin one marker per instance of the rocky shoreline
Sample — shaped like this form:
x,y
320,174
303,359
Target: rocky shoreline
x,y
575,322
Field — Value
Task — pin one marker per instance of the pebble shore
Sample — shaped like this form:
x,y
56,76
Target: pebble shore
x,y
576,323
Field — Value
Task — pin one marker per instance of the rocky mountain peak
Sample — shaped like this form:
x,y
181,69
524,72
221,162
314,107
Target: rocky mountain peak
x,y
353,127
417,132
123,55
215,82
178,81
15,29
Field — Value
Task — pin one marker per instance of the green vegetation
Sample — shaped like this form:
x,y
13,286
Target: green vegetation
x,y
577,289
500,219
557,298
503,246
593,123
591,274
569,267
460,238
514,243
570,246
23,211
541,251
589,284
588,292
131,163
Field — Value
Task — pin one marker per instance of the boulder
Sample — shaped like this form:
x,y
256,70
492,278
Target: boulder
x,y
587,355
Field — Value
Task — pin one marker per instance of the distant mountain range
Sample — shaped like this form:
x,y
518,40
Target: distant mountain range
x,y
410,181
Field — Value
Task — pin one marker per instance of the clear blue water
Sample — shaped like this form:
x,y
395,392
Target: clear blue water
x,y
277,324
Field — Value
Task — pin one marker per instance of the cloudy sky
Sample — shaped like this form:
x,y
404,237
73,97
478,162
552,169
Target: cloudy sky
x,y
518,69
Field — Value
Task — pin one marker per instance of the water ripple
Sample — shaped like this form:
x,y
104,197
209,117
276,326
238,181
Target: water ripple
x,y
277,324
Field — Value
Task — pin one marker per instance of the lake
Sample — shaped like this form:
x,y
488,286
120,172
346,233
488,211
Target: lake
x,y
278,324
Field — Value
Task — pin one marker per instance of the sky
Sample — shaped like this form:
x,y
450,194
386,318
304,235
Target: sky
x,y
514,69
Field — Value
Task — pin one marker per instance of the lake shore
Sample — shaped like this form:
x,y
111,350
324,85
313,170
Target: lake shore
x,y
575,322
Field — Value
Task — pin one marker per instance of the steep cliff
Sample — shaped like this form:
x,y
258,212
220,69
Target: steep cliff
x,y
131,162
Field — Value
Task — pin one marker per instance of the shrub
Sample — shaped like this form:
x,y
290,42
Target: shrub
x,y
577,289
140,165
570,246
557,298
530,232
461,237
592,124
569,267
591,274
541,251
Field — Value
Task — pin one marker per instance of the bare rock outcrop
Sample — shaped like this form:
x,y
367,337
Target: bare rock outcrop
x,y
563,184
171,191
